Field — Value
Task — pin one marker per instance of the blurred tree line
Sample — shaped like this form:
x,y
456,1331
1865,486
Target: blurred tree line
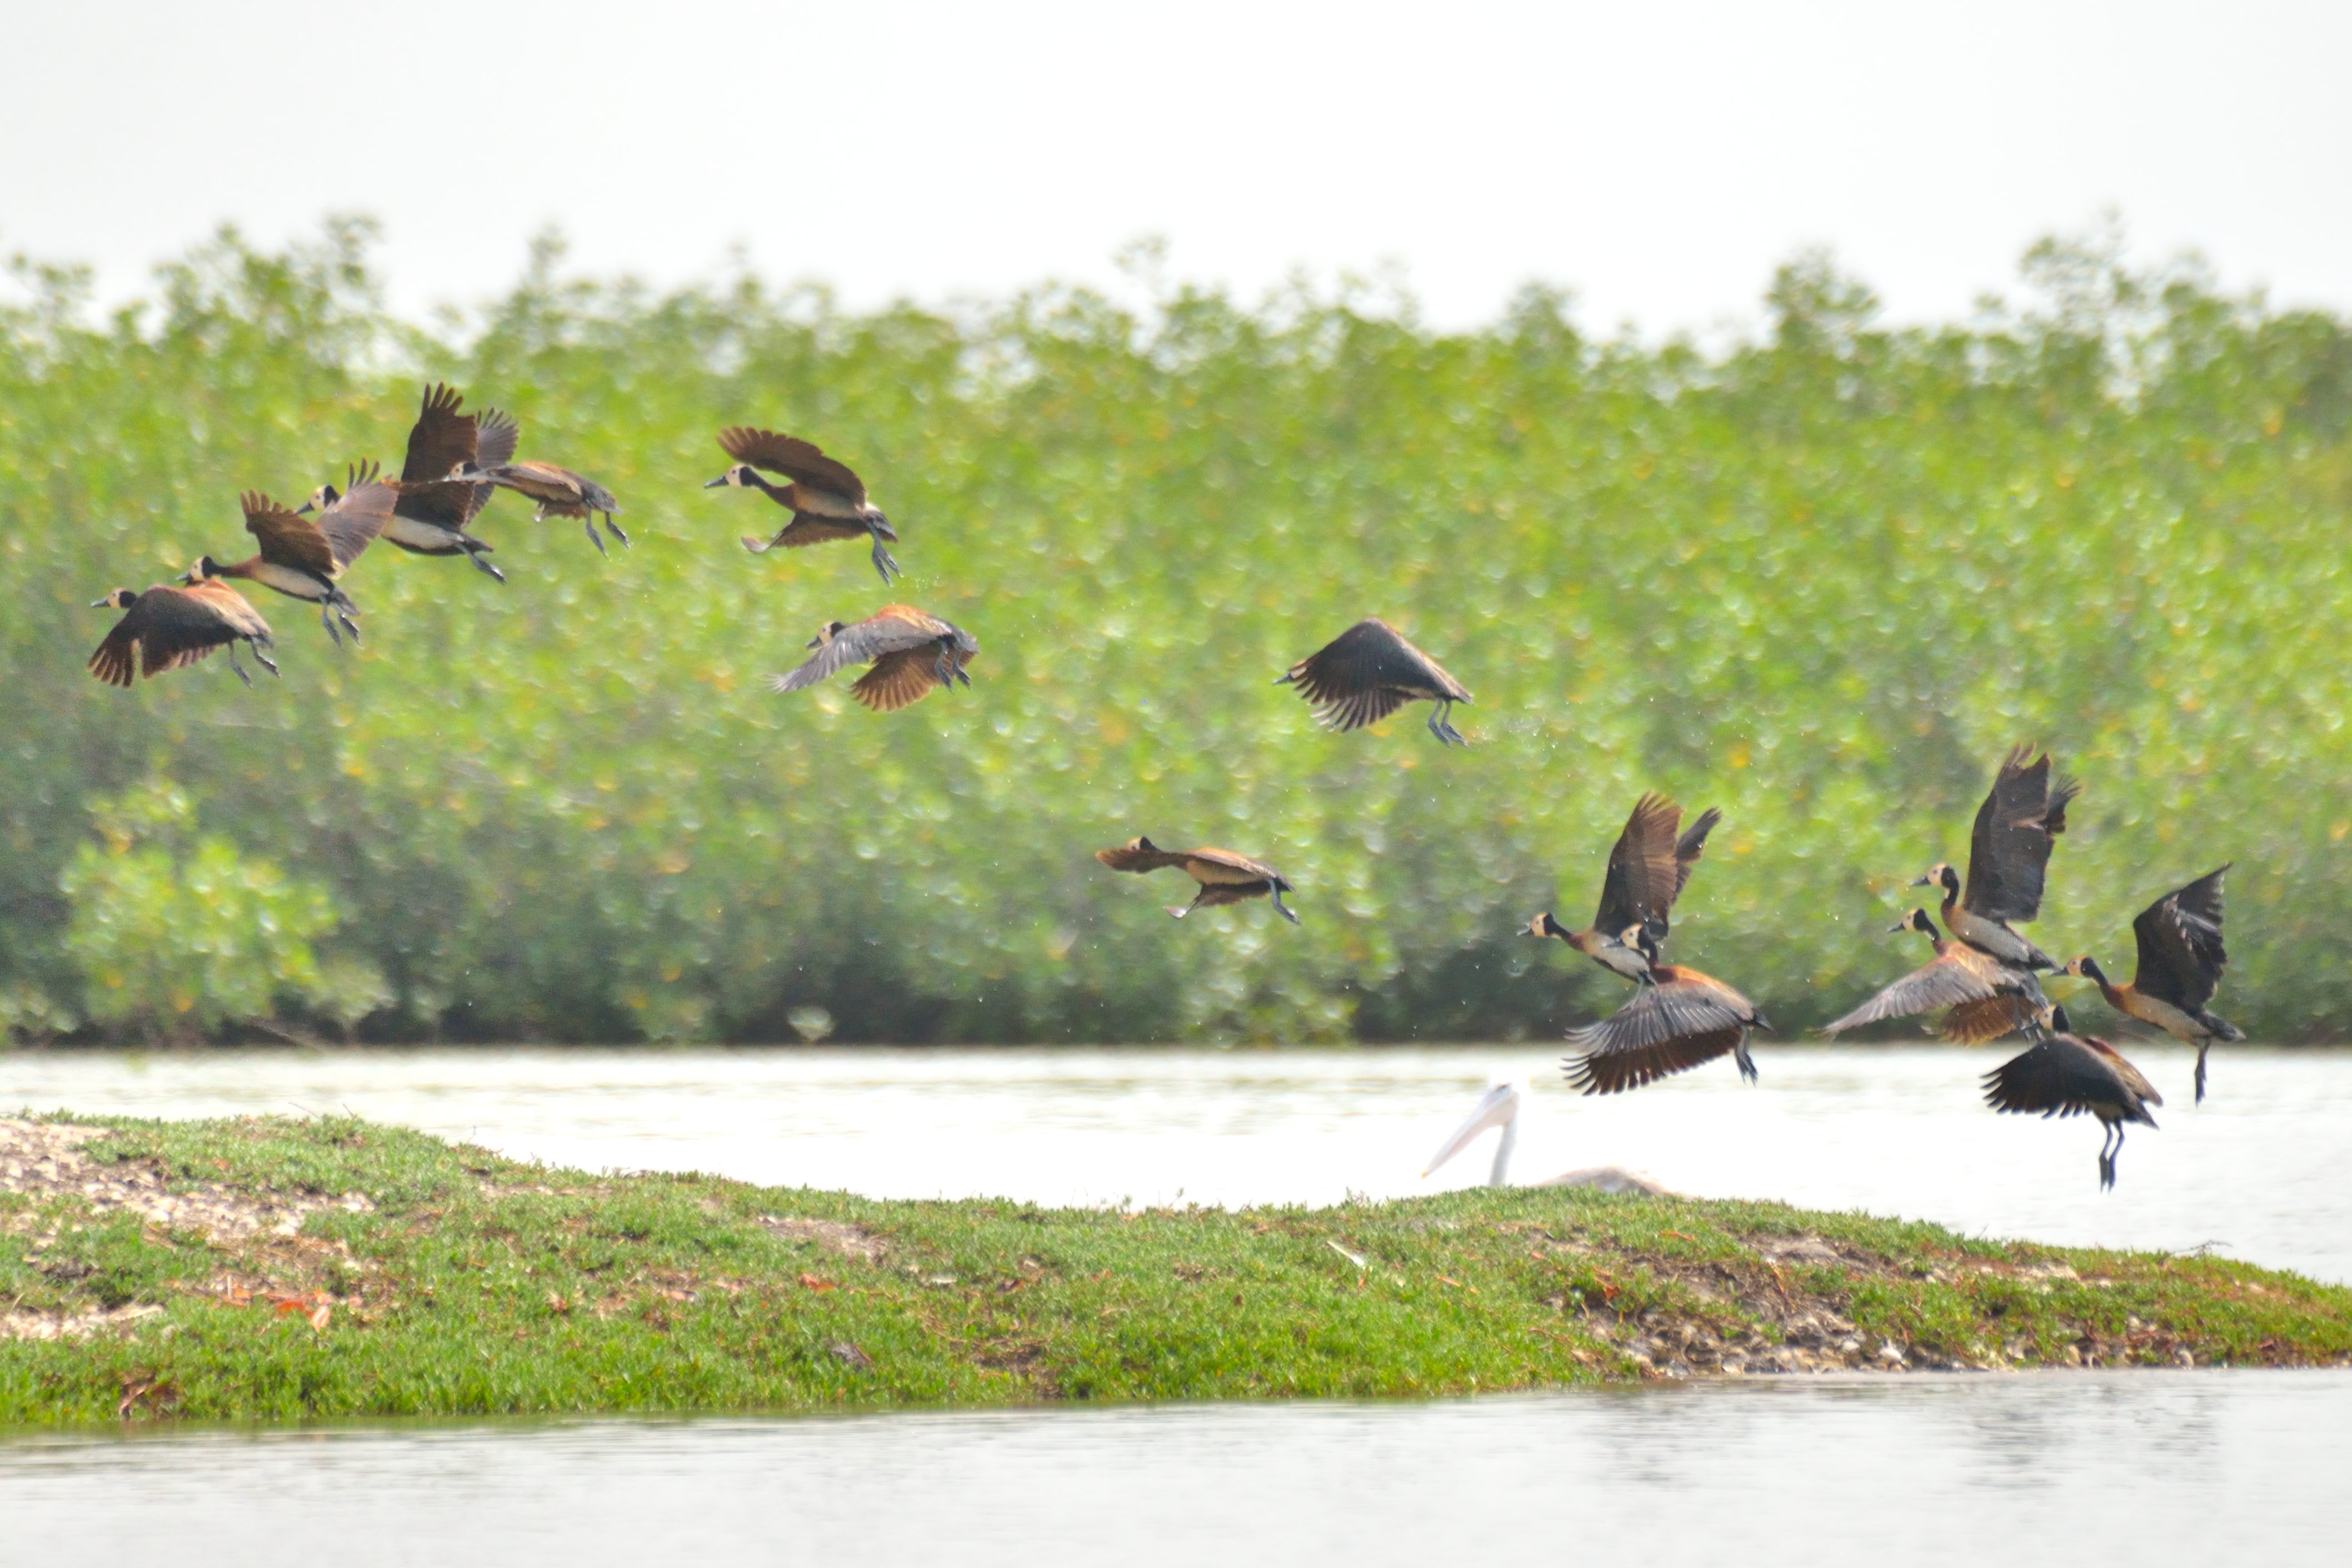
x,y
1821,579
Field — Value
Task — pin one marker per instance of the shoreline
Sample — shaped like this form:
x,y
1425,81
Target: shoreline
x,y
272,1269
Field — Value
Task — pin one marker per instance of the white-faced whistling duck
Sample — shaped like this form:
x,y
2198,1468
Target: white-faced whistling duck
x,y
827,501
167,628
2180,964
301,557
431,515
1225,876
2069,1074
1985,997
1367,673
911,650
1648,868
2009,850
560,492
1680,1019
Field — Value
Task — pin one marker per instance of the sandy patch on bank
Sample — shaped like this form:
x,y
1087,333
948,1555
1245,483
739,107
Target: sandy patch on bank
x,y
44,1160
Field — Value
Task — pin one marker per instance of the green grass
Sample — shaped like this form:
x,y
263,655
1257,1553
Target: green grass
x,y
476,1286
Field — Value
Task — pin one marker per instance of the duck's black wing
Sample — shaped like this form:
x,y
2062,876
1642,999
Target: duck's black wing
x,y
2179,938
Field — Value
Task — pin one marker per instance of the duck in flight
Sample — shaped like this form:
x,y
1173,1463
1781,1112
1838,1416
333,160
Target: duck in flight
x,y
1367,673
304,557
431,515
826,500
559,492
1679,1020
169,628
1225,876
2180,964
1649,866
2009,852
1983,998
2068,1074
912,651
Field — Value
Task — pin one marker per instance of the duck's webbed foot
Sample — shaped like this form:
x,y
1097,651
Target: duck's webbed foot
x,y
267,663
327,619
885,563
1440,725
481,565
237,666
615,529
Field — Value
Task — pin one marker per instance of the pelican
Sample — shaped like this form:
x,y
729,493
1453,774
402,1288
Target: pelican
x,y
1499,1106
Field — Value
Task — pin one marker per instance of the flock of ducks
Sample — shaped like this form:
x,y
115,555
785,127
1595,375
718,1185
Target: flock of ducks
x,y
1984,977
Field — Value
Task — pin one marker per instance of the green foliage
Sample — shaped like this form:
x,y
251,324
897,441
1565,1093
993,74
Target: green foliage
x,y
178,930
453,1282
1822,579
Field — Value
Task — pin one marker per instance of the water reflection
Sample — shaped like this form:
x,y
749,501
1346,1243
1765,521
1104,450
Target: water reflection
x,y
2155,1467
2258,1169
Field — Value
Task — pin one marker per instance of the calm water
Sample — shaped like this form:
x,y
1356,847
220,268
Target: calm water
x,y
2262,1170
2149,1468
2153,1468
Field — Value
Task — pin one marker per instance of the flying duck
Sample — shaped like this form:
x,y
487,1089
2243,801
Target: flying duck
x,y
911,650
1225,876
301,557
1681,1019
167,628
431,515
1648,868
2069,1074
2009,850
827,501
1985,997
2180,964
560,492
1367,673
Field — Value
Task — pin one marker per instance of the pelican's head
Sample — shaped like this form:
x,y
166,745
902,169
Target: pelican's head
x,y
1498,1107
740,476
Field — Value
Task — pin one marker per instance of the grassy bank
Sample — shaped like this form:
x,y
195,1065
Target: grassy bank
x,y
265,1270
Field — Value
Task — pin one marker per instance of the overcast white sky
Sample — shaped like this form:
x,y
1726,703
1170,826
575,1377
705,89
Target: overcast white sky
x,y
1657,159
